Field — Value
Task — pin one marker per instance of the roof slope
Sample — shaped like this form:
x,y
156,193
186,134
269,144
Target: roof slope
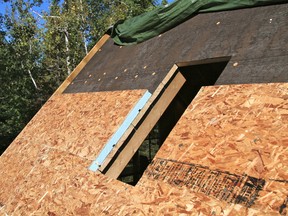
x,y
255,38
145,26
226,155
227,136
77,124
50,181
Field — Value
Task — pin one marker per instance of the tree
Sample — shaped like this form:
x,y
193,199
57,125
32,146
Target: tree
x,y
103,14
164,2
20,56
65,38
40,49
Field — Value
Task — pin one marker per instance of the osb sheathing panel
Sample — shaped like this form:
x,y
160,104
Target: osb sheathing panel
x,y
79,124
60,184
238,128
239,132
57,182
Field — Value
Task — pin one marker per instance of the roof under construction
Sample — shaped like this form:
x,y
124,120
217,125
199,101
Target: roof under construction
x,y
193,121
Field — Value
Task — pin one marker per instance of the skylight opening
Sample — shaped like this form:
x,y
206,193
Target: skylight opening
x,y
193,77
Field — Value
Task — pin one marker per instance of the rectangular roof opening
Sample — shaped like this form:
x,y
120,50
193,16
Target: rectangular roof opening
x,y
134,157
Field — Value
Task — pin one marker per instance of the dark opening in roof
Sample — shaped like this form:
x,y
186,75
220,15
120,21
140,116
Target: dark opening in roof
x,y
196,76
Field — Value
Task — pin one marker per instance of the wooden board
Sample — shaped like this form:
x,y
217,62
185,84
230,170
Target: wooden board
x,y
39,179
154,97
60,185
228,138
79,124
142,132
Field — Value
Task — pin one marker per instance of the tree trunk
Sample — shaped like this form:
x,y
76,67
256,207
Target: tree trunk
x,y
83,31
30,75
67,51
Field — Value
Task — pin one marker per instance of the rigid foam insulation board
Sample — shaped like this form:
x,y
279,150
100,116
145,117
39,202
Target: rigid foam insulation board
x,y
57,182
254,38
231,144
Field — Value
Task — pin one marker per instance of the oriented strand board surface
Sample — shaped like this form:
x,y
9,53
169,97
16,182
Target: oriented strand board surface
x,y
231,144
60,184
57,182
79,124
238,128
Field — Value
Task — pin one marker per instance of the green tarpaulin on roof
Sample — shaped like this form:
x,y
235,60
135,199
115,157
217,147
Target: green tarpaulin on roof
x,y
145,26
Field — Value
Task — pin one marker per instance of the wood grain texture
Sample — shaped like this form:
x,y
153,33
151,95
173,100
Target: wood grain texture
x,y
79,124
141,114
60,184
238,130
82,123
243,128
42,179
142,132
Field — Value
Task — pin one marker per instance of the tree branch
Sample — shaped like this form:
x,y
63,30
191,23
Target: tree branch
x,y
66,34
41,16
30,74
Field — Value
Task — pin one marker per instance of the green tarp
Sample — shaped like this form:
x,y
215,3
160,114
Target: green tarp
x,y
145,26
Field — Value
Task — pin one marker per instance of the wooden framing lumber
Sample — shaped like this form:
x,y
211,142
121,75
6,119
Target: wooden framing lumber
x,y
205,61
120,131
139,136
140,116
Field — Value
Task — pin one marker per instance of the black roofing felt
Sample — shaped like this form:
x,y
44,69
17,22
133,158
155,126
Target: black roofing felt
x,y
255,38
148,25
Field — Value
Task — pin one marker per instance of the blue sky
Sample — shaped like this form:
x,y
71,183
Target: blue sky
x,y
169,1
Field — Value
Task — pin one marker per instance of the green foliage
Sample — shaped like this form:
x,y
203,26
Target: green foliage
x,y
103,14
19,54
164,2
39,49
